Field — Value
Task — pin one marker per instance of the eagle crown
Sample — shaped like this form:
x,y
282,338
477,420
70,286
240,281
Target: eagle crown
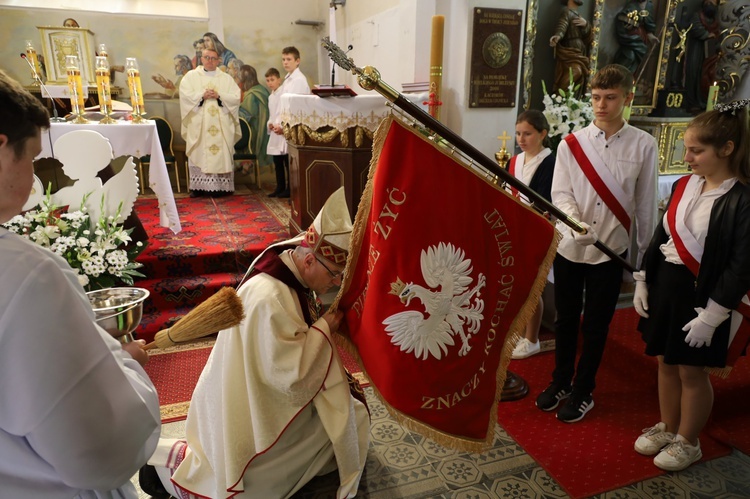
x,y
397,287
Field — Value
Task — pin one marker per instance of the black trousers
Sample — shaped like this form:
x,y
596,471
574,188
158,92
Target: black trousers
x,y
281,165
601,284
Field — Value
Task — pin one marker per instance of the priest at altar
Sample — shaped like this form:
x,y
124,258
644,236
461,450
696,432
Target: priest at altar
x,y
209,107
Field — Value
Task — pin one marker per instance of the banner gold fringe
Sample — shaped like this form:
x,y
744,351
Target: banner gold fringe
x,y
721,372
172,411
512,337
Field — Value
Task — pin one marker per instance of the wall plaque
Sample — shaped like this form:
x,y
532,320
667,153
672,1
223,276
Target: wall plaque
x,y
495,48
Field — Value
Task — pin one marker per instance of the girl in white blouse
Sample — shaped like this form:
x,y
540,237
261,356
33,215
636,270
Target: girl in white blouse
x,y
696,271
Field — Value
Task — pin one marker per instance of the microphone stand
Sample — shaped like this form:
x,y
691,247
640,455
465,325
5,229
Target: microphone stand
x,y
56,118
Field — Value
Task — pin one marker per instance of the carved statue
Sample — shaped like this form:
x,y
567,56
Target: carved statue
x,y
635,28
702,56
571,41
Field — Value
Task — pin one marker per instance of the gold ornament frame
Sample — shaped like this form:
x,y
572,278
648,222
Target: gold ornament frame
x,y
58,42
602,15
654,75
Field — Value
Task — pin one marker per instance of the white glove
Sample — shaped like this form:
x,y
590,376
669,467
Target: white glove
x,y
698,333
640,298
701,330
586,239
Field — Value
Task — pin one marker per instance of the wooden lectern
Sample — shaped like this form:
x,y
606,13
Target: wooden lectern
x,y
330,145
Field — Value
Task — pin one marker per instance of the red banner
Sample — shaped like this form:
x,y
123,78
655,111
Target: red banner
x,y
444,266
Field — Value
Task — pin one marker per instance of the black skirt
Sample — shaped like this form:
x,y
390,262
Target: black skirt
x,y
671,305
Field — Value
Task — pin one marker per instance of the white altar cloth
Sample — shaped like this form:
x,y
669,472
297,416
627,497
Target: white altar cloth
x,y
366,111
664,188
128,139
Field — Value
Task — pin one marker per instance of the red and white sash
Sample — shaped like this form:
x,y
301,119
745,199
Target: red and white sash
x,y
516,172
597,173
691,253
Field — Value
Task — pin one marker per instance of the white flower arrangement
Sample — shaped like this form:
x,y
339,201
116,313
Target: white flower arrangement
x,y
565,112
98,253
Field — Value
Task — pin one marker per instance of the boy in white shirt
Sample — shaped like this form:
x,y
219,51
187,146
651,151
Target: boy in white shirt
x,y
276,147
294,83
605,176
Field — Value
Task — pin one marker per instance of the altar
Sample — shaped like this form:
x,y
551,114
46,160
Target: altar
x,y
669,134
128,139
330,145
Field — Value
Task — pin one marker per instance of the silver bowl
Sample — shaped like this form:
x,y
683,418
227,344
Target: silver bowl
x,y
118,310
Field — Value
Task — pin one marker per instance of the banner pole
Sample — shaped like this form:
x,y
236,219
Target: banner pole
x,y
369,79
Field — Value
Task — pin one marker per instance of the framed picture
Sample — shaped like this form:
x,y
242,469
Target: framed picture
x,y
58,42
638,35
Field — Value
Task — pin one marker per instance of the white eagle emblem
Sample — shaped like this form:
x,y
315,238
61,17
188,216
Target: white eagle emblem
x,y
448,311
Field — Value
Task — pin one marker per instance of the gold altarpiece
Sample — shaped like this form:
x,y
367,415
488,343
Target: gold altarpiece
x,y
601,14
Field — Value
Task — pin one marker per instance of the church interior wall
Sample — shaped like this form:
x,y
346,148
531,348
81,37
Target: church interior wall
x,y
396,40
256,36
480,126
153,41
393,35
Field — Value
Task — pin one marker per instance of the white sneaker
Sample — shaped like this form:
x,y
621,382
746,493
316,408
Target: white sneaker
x,y
678,455
653,440
525,348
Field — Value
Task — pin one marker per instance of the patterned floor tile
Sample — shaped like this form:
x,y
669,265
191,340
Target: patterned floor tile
x,y
513,487
405,465
459,472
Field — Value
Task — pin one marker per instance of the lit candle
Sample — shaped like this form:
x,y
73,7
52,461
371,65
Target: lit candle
x,y
75,85
32,57
136,93
626,112
713,96
103,88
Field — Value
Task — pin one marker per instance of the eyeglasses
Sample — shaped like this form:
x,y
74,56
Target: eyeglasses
x,y
209,58
336,275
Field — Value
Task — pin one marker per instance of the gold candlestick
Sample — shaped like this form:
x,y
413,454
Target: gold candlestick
x,y
502,156
75,84
36,73
103,89
136,93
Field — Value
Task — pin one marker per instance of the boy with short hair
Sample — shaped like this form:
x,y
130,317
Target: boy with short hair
x,y
294,83
605,175
276,147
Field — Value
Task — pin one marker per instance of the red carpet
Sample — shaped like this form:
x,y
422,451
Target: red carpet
x,y
728,423
219,239
596,454
175,372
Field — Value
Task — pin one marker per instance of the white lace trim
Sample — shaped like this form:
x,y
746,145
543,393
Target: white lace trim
x,y
211,182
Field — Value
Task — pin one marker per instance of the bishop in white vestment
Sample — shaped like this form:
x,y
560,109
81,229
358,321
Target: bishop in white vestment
x,y
273,407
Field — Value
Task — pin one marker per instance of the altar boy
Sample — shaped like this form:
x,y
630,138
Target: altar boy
x,y
78,414
605,177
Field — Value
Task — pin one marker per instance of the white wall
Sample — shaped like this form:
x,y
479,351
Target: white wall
x,y
479,126
396,41
257,31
